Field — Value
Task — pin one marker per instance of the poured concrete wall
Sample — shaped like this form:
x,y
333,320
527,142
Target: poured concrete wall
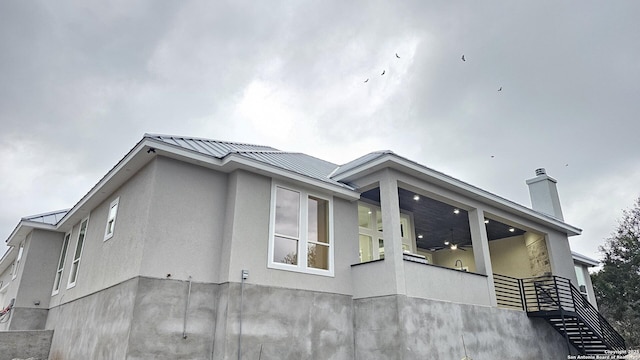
x,y
141,318
95,326
25,344
280,323
158,322
411,328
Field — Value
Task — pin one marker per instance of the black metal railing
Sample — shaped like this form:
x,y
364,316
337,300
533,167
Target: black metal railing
x,y
508,291
555,295
596,321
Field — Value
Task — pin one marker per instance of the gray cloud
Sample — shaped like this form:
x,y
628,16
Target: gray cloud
x,y
81,82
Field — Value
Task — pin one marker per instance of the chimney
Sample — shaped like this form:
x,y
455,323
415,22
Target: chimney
x,y
544,194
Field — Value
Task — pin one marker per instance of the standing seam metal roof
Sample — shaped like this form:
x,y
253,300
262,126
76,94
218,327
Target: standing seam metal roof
x,y
50,218
217,149
298,163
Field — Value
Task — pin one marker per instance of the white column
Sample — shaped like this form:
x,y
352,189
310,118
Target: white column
x,y
481,253
390,205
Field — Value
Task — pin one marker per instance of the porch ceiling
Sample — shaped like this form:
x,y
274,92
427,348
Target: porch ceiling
x,y
436,221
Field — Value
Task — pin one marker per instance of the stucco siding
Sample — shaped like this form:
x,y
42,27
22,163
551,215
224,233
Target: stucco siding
x,y
249,209
185,222
106,263
39,263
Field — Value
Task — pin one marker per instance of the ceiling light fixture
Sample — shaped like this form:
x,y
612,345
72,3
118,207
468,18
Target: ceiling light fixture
x,y
456,211
512,229
486,221
416,197
420,236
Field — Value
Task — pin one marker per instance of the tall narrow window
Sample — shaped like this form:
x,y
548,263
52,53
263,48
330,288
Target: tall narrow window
x,y
301,237
111,219
78,253
63,255
16,265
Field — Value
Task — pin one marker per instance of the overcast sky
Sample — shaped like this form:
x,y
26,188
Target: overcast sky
x,y
81,82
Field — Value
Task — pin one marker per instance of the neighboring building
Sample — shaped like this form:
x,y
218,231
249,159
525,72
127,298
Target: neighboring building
x,y
200,249
582,264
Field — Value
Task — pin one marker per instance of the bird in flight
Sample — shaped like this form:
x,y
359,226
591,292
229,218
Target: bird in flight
x,y
366,80
463,59
397,56
383,71
500,89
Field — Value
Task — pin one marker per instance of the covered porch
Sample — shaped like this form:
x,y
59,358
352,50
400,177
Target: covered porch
x,y
424,241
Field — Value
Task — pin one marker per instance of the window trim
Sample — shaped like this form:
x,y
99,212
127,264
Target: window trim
x,y
74,261
303,240
62,259
16,263
115,203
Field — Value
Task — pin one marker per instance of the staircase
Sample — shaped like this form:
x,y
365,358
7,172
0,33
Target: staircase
x,y
556,300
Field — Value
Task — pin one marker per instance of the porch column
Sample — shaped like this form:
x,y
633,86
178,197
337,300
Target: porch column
x,y
391,232
481,253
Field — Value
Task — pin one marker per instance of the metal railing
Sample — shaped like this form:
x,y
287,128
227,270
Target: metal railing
x,y
508,291
551,295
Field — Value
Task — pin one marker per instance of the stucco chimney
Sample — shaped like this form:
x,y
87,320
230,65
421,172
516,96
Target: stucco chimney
x,y
544,194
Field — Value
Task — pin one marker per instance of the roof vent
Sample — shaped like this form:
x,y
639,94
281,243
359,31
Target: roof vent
x,y
540,171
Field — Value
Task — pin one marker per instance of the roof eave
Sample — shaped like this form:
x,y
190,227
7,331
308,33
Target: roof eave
x,y
236,161
584,260
147,148
391,160
23,229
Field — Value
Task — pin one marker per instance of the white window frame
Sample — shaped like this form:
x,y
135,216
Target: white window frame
x,y
303,227
61,262
375,233
76,262
16,264
111,219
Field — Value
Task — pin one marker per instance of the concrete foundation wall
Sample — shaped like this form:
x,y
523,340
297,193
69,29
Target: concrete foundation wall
x,y
141,318
158,322
95,326
28,318
25,344
399,327
280,323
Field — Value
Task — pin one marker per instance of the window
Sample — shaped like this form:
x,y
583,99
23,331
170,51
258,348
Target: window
x,y
63,255
78,253
301,229
371,243
16,264
111,219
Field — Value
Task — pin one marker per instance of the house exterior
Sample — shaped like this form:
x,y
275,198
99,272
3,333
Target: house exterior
x,y
199,249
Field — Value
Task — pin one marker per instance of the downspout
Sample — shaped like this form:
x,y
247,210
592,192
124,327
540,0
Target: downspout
x,y
186,307
245,274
